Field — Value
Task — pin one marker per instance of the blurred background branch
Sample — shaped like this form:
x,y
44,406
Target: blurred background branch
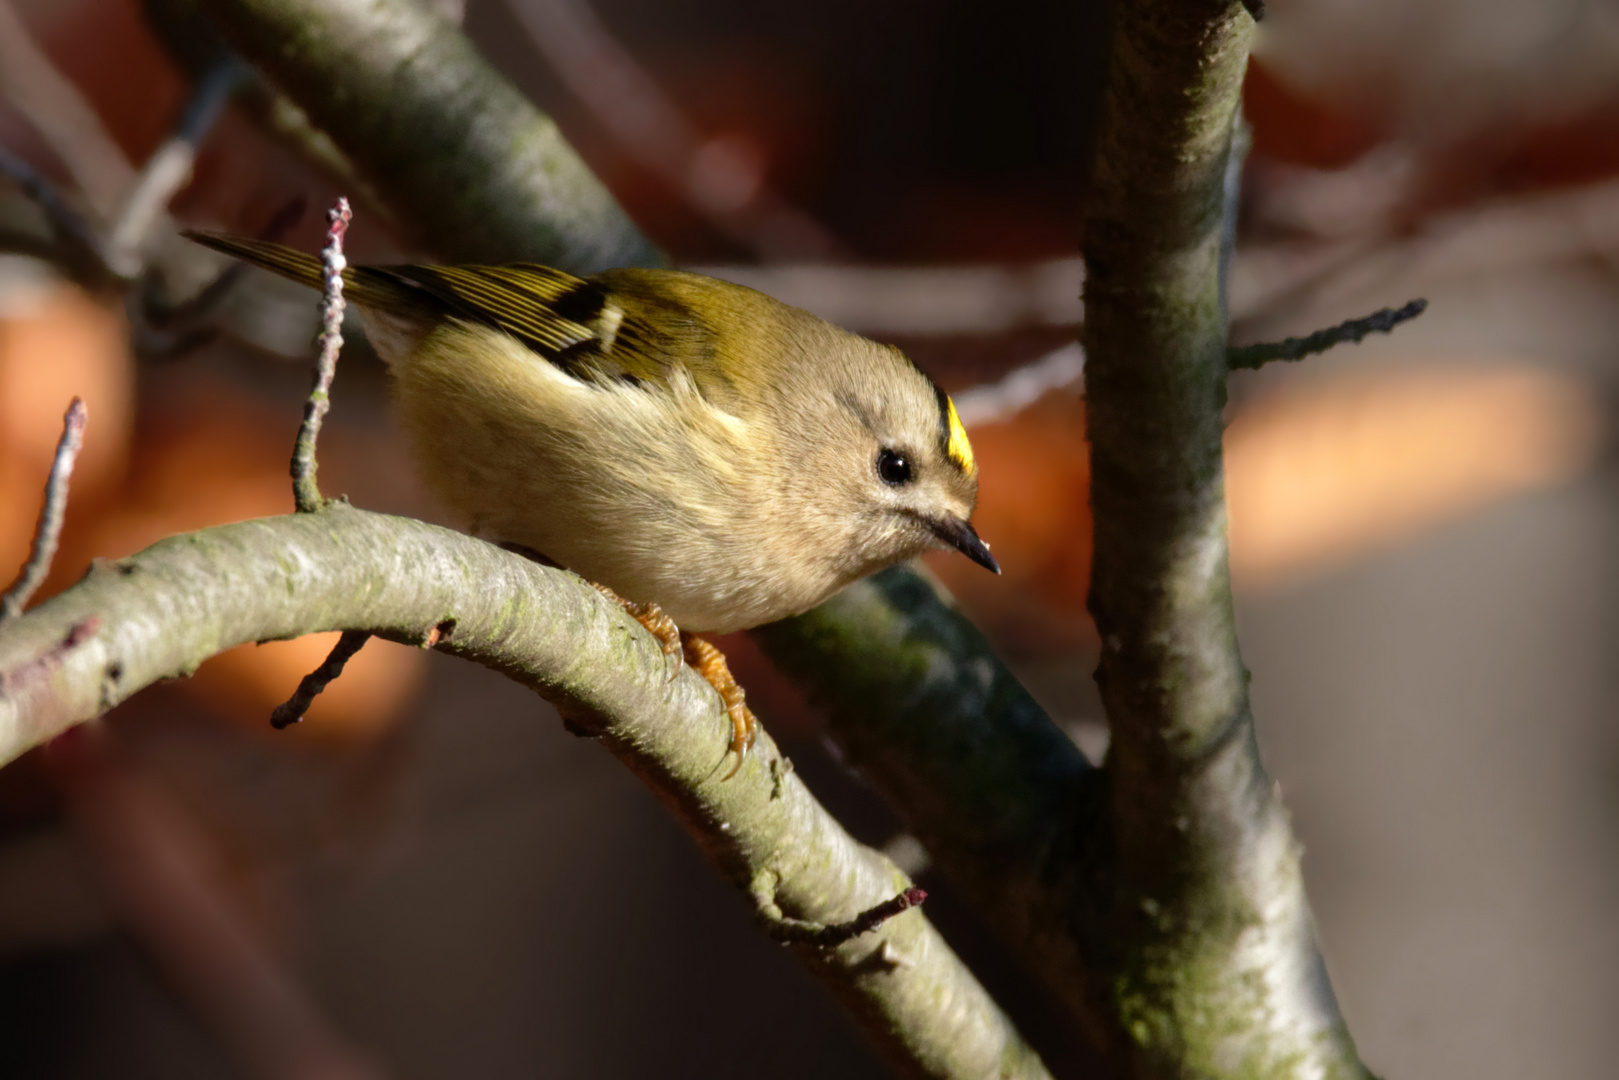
x,y
431,125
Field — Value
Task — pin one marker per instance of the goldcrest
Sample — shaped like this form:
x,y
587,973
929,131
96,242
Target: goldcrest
x,y
684,441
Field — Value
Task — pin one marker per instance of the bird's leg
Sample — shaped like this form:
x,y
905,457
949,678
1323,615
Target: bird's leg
x,y
705,659
710,663
657,624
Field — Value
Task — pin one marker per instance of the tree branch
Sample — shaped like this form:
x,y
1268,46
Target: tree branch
x,y
160,613
1217,974
78,245
431,125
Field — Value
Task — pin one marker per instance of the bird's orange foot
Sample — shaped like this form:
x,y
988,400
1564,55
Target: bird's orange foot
x,y
710,663
658,625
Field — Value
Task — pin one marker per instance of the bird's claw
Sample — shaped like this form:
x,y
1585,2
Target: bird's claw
x,y
710,663
658,624
680,649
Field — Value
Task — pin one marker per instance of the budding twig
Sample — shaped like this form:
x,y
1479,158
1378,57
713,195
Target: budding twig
x,y
827,935
48,532
1256,356
305,491
292,710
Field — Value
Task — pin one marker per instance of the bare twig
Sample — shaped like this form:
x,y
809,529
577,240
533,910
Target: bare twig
x,y
305,491
824,935
1253,357
83,247
21,677
292,710
162,330
48,532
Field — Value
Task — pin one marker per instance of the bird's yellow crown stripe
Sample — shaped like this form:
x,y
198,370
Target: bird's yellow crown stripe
x,y
958,449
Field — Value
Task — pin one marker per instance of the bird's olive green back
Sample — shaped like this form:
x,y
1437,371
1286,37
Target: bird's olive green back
x,y
625,324
633,325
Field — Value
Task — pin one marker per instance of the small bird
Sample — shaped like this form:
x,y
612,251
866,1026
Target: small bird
x,y
712,458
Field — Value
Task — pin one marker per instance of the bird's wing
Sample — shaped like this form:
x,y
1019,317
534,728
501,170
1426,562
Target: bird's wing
x,y
635,325
549,311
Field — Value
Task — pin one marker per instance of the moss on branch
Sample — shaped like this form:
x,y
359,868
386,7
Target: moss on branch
x,y
162,612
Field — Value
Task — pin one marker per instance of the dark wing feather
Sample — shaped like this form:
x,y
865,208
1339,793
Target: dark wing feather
x,y
549,311
623,326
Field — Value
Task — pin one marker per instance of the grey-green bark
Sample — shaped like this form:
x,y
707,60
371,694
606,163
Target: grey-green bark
x,y
162,612
999,796
1217,972
469,165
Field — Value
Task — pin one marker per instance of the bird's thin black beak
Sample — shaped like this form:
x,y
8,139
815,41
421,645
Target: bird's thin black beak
x,y
963,537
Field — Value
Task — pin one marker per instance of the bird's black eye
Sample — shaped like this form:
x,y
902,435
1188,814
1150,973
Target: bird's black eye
x,y
893,468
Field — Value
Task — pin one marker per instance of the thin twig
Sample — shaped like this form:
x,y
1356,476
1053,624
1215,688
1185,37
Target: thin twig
x,y
49,530
83,247
826,935
1253,357
305,491
985,298
292,710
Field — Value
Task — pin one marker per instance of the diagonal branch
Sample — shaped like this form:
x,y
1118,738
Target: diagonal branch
x,y
445,140
162,612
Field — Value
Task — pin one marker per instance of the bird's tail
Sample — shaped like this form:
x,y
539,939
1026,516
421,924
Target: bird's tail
x,y
361,285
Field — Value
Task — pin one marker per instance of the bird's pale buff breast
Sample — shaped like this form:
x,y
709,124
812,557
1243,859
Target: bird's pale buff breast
x,y
651,491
